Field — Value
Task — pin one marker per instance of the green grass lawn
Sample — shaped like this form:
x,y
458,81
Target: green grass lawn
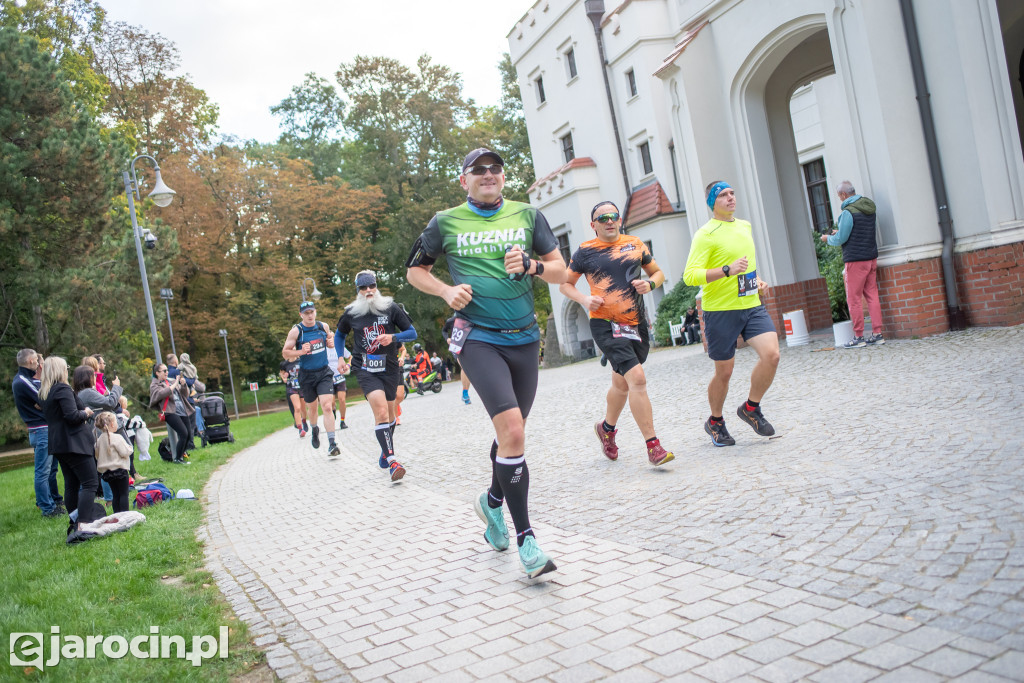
x,y
151,575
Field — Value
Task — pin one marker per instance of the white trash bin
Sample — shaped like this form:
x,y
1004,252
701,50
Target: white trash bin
x,y
843,332
796,328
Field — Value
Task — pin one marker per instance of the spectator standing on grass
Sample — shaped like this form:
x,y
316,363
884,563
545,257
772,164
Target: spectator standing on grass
x,y
71,441
191,374
171,397
87,389
25,391
113,458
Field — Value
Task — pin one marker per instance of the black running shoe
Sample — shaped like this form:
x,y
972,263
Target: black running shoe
x,y
315,441
719,434
755,419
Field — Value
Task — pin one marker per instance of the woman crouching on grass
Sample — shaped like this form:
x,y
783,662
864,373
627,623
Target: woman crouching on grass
x,y
72,443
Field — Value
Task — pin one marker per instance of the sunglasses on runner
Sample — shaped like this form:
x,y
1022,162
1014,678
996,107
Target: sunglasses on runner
x,y
607,218
495,169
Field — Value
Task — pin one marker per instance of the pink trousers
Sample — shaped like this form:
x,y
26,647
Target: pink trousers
x,y
861,281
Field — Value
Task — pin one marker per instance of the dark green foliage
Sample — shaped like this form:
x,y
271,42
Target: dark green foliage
x,y
67,261
670,309
830,265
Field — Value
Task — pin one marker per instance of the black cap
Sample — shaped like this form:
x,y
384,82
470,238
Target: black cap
x,y
476,154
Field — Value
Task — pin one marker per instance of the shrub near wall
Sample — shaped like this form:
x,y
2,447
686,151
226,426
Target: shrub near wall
x,y
830,265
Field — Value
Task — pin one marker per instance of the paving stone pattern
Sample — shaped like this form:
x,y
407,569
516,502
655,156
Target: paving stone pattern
x,y
879,538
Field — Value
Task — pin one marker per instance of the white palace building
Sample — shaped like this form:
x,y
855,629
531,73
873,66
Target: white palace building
x,y
920,103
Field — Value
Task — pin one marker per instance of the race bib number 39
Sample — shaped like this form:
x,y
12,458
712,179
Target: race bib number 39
x,y
747,283
374,362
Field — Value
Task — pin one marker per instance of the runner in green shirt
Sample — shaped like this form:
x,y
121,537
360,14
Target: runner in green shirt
x,y
722,261
487,242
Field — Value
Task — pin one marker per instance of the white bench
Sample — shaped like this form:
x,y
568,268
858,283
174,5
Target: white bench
x,y
675,331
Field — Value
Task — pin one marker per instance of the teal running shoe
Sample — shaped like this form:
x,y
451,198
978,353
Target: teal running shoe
x,y
496,533
534,560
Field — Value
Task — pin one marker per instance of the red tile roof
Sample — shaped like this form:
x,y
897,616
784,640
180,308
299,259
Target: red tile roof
x,y
680,47
578,162
646,203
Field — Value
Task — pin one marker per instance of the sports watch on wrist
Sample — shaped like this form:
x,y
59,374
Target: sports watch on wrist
x,y
725,269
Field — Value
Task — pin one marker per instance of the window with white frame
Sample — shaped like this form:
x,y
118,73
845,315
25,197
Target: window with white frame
x,y
568,153
570,63
645,158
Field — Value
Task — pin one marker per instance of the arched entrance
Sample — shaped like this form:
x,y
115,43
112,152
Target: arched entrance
x,y
773,186
1011,23
579,343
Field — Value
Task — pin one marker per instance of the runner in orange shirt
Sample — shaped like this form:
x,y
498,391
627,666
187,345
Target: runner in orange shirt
x,y
613,264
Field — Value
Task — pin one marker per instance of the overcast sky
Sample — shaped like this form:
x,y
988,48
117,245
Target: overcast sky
x,y
248,54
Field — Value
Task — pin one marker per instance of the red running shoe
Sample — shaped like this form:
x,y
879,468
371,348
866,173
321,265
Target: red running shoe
x,y
608,447
658,455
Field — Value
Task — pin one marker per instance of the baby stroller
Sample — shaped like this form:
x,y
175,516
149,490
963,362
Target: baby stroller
x,y
215,415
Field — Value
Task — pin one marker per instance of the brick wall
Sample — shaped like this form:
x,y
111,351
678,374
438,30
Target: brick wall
x,y
913,298
990,283
809,295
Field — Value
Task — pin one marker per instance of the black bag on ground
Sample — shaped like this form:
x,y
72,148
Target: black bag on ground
x,y
165,450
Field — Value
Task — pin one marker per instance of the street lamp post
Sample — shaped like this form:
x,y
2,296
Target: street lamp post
x,y
167,295
231,377
310,295
161,196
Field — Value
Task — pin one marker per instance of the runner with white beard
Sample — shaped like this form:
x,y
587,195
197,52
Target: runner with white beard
x,y
379,328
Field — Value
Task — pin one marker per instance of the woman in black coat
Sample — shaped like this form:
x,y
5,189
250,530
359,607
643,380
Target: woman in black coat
x,y
71,442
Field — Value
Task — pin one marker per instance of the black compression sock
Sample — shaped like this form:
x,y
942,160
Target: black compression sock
x,y
495,497
383,434
514,476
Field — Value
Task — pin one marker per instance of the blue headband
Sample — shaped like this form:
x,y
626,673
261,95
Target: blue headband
x,y
716,190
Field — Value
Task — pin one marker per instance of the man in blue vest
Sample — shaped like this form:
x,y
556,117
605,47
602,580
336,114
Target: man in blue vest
x,y
856,234
26,398
308,343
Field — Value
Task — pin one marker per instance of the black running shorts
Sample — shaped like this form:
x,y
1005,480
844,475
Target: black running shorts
x,y
504,377
386,381
313,383
623,354
721,329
